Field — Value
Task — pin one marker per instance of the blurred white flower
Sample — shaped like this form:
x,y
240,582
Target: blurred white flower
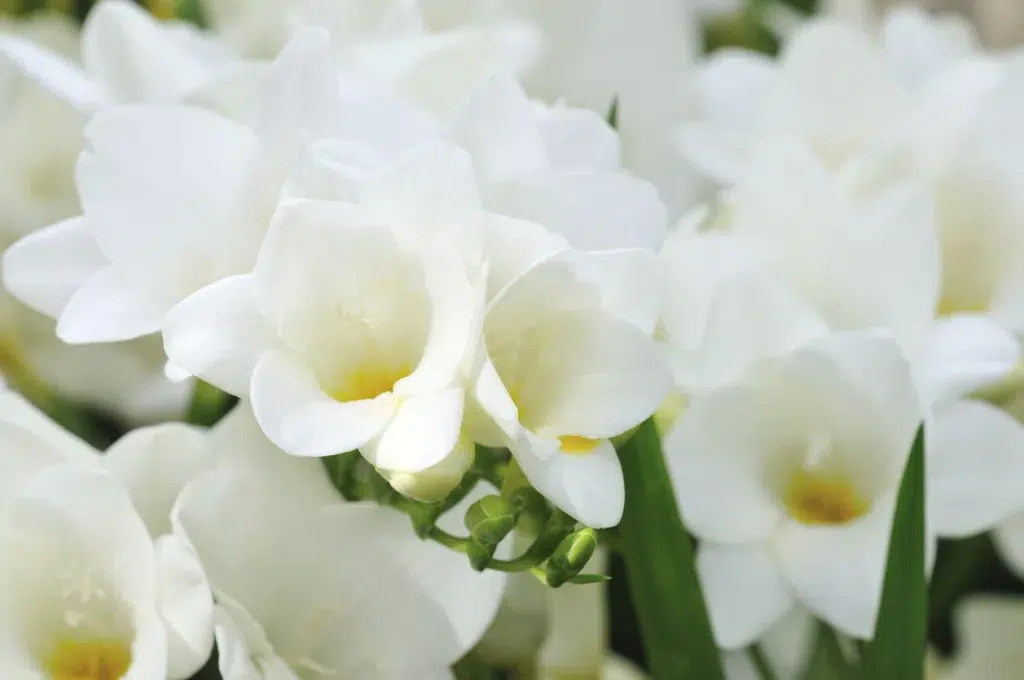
x,y
84,583
128,56
789,255
305,587
205,193
789,478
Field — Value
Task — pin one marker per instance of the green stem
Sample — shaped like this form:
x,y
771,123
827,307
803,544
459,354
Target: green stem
x,y
208,405
760,661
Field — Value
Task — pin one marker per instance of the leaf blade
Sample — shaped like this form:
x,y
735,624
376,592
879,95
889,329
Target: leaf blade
x,y
660,567
898,648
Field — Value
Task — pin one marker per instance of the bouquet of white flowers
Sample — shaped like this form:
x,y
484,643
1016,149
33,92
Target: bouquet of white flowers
x,y
370,339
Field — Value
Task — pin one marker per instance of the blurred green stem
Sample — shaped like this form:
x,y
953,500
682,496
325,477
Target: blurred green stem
x,y
760,661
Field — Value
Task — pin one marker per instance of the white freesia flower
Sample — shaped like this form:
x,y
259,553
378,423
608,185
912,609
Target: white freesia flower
x,y
791,254
789,477
40,137
344,338
89,587
79,581
129,56
561,376
306,588
831,88
205,191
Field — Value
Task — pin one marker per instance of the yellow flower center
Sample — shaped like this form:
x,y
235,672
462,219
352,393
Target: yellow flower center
x,y
88,660
577,445
823,498
368,383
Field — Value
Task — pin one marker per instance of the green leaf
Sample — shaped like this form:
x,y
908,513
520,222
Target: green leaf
x,y
660,568
897,651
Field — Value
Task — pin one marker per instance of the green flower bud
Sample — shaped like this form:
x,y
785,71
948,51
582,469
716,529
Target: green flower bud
x,y
570,557
479,554
490,519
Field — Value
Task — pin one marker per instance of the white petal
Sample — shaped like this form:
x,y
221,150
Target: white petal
x,y
732,85
319,601
628,281
752,316
965,353
88,515
32,441
219,333
595,376
54,72
497,127
108,308
45,268
469,599
299,101
136,58
837,572
975,462
834,88
186,607
297,416
422,433
155,463
592,211
430,191
241,444
192,179
715,455
588,486
744,591
579,140
514,246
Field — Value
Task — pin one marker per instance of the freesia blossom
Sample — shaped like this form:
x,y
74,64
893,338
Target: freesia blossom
x,y
788,254
562,375
206,190
310,586
128,57
343,338
83,583
789,476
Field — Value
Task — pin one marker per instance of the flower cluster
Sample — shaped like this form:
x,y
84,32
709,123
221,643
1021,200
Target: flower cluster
x,y
448,256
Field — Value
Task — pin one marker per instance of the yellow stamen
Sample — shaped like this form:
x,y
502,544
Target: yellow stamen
x,y
88,660
822,498
577,445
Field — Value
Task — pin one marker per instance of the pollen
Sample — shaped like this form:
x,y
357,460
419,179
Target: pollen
x,y
577,445
368,383
818,498
74,659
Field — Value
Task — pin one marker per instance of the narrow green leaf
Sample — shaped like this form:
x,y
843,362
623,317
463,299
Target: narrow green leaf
x,y
660,568
897,651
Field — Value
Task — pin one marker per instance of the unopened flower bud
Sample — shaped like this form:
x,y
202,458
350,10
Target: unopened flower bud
x,y
436,482
490,520
571,556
